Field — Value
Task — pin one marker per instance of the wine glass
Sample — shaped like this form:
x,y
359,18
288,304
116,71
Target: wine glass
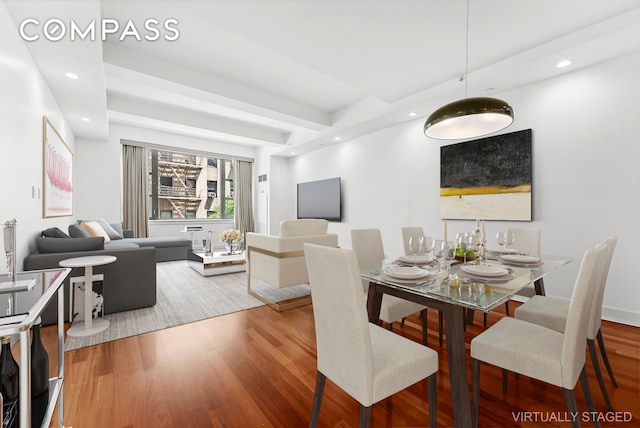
x,y
416,244
501,238
449,255
509,238
438,252
426,247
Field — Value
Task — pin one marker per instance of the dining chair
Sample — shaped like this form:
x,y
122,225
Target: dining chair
x,y
552,313
367,245
542,353
408,232
527,241
366,361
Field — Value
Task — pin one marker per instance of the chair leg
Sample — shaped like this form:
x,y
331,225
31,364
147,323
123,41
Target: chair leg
x,y
423,315
603,351
484,319
433,401
506,307
505,380
596,368
475,391
390,326
365,416
584,381
440,326
572,407
402,322
317,399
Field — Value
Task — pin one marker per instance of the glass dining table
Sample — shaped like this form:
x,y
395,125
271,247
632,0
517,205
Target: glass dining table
x,y
465,288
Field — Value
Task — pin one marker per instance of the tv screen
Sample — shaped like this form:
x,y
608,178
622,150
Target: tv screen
x,y
320,199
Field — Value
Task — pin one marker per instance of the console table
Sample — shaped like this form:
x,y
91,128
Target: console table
x,y
217,263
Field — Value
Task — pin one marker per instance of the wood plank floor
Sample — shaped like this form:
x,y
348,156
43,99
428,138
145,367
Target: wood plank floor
x,y
257,368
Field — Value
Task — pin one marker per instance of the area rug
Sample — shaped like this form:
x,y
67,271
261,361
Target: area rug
x,y
185,296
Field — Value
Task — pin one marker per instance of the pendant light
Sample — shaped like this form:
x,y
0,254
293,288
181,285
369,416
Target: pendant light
x,y
468,117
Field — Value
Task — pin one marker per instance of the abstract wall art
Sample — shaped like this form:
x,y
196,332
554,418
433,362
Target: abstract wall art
x,y
488,178
57,174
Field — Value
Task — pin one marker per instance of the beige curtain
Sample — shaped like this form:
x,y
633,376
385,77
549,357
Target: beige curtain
x,y
135,194
243,178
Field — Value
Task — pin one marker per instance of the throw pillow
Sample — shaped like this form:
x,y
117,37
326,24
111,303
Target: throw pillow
x,y
95,229
69,245
113,233
76,231
54,232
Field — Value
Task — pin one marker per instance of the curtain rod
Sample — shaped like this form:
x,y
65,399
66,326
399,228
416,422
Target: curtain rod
x,y
182,150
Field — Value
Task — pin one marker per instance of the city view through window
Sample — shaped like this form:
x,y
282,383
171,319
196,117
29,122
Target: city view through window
x,y
185,186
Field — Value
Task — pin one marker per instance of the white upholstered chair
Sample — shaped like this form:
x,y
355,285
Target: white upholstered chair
x,y
552,313
367,245
408,232
542,353
527,241
279,260
366,361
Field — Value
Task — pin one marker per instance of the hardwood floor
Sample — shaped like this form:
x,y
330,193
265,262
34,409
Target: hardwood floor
x,y
257,368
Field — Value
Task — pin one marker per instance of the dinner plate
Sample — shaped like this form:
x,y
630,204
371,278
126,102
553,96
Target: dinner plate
x,y
414,259
405,272
517,258
502,250
484,270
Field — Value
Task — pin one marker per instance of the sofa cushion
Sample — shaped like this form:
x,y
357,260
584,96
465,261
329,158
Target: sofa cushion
x,y
67,245
118,229
303,227
54,232
120,243
94,229
76,231
161,241
111,232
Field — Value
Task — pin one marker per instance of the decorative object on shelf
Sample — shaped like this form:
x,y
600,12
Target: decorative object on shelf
x,y
39,377
9,385
10,246
57,174
231,238
468,117
488,178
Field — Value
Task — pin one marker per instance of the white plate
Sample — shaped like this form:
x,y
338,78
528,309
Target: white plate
x,y
502,250
414,259
516,258
484,270
406,272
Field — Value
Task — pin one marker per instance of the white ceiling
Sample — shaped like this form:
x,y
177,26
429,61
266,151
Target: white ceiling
x,y
295,75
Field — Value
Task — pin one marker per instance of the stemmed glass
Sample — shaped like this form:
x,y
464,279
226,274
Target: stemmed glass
x,y
501,238
449,255
509,239
438,252
416,245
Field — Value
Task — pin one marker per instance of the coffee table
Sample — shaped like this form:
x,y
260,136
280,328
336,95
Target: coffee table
x,y
217,263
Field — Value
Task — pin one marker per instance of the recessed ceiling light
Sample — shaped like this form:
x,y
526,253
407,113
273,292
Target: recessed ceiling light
x,y
86,119
564,63
336,139
72,76
413,113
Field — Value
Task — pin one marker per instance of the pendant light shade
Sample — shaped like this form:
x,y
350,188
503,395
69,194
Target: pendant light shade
x,y
469,117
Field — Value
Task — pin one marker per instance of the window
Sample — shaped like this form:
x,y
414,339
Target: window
x,y
187,186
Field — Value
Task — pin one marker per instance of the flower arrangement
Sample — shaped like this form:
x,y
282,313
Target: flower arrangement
x,y
232,235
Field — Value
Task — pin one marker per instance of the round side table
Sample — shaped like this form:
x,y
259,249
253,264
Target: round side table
x,y
89,326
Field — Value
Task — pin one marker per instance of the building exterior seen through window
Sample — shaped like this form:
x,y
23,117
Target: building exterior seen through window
x,y
184,186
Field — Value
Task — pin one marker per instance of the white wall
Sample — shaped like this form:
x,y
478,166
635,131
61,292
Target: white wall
x,y
25,99
585,176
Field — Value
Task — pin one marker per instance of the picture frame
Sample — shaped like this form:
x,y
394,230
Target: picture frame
x,y
488,178
57,173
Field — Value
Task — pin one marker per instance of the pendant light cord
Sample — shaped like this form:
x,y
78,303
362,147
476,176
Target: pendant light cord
x,y
466,60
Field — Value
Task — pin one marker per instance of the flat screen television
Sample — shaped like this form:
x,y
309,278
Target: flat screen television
x,y
320,199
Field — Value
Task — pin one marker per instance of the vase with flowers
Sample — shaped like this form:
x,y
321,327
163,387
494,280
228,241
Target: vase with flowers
x,y
231,238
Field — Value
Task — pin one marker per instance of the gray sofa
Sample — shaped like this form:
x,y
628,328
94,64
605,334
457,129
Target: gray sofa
x,y
129,283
